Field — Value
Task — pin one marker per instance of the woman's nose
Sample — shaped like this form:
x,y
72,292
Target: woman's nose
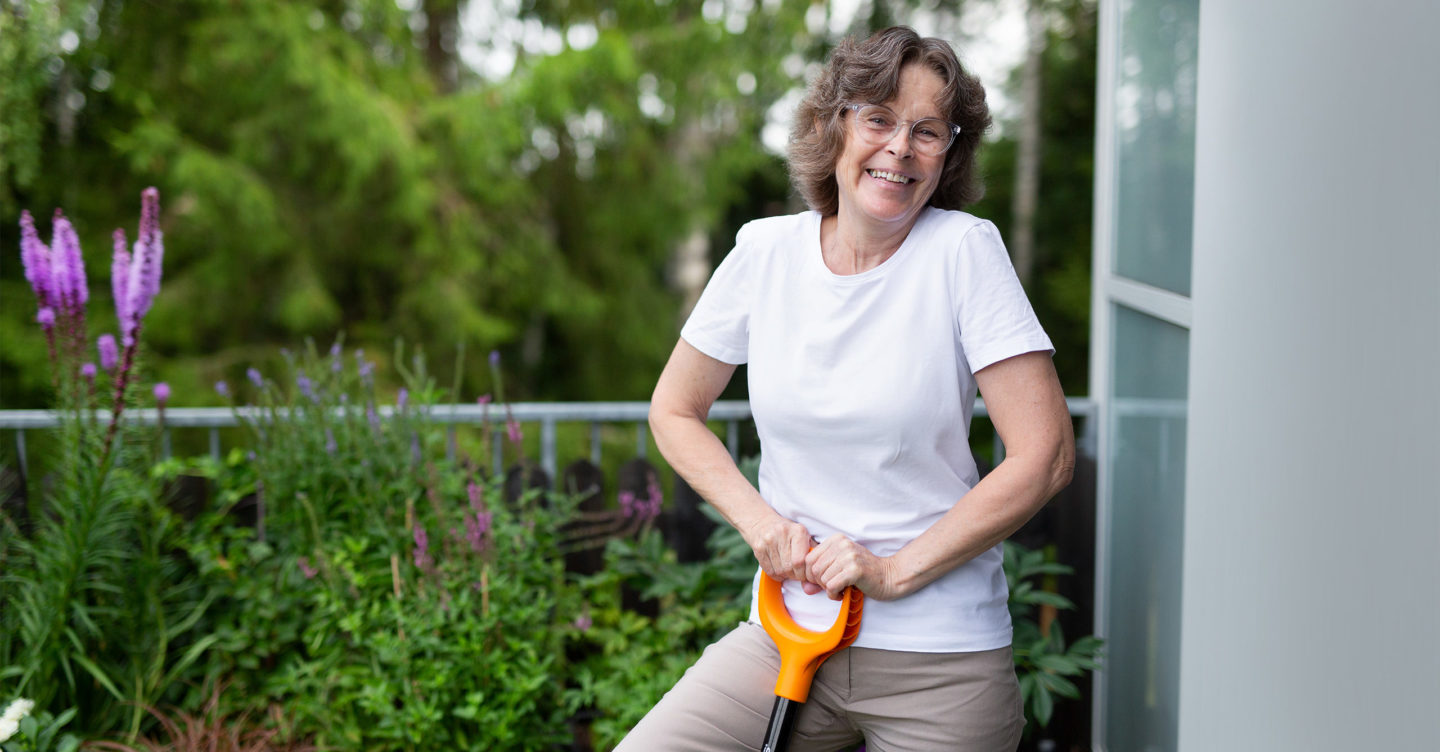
x,y
899,143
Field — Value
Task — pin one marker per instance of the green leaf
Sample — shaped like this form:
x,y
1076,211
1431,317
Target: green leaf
x,y
99,675
1059,685
1044,706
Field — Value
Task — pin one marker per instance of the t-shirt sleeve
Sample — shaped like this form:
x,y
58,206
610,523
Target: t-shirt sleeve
x,y
719,325
994,316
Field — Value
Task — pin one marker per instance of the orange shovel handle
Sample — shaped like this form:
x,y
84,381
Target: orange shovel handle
x,y
801,650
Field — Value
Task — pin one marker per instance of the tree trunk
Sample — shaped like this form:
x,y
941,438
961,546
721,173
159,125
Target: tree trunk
x,y
442,29
1027,162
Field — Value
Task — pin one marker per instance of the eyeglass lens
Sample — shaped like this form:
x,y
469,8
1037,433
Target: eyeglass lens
x,y
879,124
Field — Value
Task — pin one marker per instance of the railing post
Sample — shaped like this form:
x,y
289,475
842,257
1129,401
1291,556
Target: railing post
x,y
642,447
547,447
595,443
20,452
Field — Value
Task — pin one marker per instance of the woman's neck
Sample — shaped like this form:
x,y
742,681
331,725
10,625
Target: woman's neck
x,y
854,247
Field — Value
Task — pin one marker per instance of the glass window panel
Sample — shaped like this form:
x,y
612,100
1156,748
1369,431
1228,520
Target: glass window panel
x,y
1155,141
1147,472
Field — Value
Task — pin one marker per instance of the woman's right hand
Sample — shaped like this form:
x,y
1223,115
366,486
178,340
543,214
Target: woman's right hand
x,y
780,546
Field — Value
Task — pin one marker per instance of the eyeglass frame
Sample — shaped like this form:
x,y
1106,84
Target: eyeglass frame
x,y
954,129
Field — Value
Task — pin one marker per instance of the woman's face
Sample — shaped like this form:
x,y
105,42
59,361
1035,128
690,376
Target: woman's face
x,y
888,184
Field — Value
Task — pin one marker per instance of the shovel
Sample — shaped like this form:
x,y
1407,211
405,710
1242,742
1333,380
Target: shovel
x,y
801,653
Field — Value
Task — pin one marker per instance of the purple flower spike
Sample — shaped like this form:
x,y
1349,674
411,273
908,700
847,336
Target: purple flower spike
x,y
222,389
45,317
476,494
330,446
306,388
255,378
494,358
109,353
162,393
475,528
484,399
306,569
583,622
68,266
422,548
120,276
512,428
402,398
35,257
87,370
143,280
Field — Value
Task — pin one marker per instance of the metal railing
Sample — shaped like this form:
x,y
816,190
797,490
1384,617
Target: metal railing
x,y
547,414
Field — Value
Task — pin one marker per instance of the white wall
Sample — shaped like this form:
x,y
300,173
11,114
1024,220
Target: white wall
x,y
1312,530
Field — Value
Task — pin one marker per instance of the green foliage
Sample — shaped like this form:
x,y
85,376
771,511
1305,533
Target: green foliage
x,y
384,599
631,660
1042,660
41,732
330,179
98,608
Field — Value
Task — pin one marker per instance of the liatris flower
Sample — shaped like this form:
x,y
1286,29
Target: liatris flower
x,y
335,363
255,378
162,393
222,389
35,257
141,268
365,368
402,398
475,529
422,548
494,358
330,446
306,387
306,569
415,455
583,622
373,417
656,496
87,369
45,317
627,503
67,267
109,353
14,713
476,494
512,429
483,400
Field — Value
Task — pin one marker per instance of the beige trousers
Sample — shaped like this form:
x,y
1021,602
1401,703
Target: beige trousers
x,y
892,701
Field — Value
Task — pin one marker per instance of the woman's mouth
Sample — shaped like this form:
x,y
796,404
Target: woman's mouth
x,y
889,177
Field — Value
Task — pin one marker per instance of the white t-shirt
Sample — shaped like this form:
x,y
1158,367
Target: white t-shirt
x,y
862,388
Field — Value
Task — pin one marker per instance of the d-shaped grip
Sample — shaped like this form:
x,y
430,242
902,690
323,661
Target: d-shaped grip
x,y
801,650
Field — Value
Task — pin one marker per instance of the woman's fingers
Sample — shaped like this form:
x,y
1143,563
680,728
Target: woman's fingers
x,y
780,547
840,562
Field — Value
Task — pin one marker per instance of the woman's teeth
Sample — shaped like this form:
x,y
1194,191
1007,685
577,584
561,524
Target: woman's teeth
x,y
889,176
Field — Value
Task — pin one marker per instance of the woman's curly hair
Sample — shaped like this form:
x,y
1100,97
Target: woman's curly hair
x,y
869,71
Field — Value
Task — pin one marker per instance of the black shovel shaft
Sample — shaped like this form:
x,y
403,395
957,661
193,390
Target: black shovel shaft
x,y
782,718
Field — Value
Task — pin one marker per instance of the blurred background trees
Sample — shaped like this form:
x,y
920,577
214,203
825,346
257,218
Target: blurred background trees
x,y
550,178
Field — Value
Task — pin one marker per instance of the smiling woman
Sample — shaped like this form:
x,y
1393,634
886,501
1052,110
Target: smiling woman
x,y
868,324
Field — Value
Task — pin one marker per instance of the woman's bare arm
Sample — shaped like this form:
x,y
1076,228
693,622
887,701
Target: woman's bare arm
x,y
1027,406
687,388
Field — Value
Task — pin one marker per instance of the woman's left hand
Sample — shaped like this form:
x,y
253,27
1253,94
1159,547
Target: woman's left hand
x,y
839,562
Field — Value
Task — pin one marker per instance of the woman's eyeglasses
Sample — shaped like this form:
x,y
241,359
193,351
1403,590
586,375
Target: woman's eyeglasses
x,y
878,124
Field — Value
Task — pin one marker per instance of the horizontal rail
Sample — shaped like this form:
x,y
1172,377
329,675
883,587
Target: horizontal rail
x,y
547,414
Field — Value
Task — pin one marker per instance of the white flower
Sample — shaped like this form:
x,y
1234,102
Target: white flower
x,y
10,721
